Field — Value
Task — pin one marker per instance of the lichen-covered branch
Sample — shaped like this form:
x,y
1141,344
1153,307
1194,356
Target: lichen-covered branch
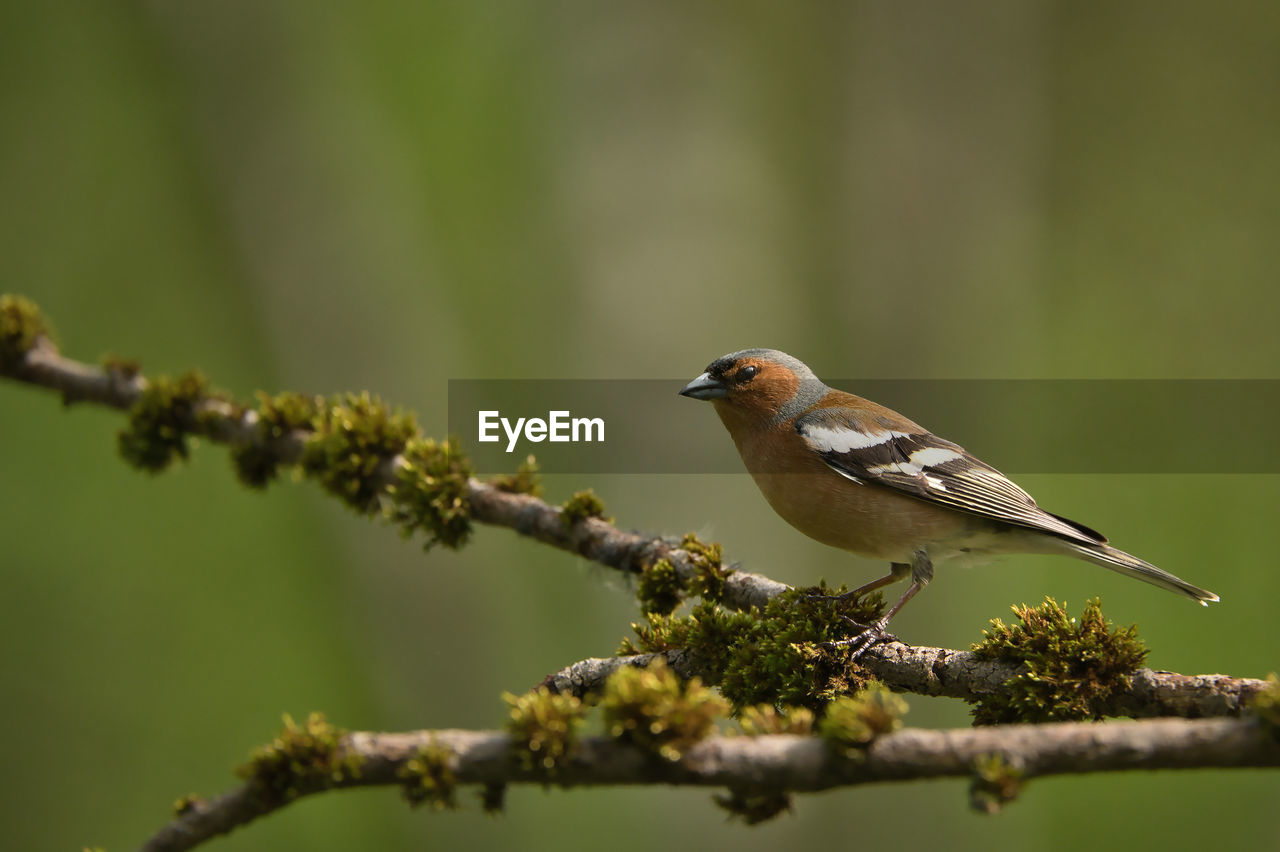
x,y
775,763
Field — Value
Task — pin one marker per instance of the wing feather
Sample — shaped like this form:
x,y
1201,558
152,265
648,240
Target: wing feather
x,y
916,462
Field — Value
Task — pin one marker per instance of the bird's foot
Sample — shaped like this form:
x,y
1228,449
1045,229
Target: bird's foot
x,y
858,645
855,624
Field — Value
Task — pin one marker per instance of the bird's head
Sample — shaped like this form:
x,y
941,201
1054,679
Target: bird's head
x,y
757,384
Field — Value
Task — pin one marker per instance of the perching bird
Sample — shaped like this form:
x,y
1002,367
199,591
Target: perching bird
x,y
860,477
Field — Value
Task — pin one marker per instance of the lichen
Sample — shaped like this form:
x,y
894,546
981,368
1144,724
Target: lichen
x,y
579,507
776,656
851,723
431,494
427,778
21,324
161,420
544,728
996,782
1073,667
301,759
657,711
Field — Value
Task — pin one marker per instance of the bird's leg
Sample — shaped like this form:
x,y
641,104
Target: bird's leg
x,y
897,571
921,573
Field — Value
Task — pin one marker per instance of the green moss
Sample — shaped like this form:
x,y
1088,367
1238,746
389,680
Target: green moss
x,y
350,443
161,420
544,728
257,463
1073,666
355,436
657,711
996,783
186,804
853,722
125,368
770,657
1266,705
709,634
659,589
427,779
708,560
754,806
21,324
762,719
526,479
301,759
579,507
431,493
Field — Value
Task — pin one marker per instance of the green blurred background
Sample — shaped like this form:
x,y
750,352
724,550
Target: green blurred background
x,y
333,196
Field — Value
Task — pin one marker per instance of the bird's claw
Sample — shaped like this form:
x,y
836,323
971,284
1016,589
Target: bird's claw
x,y
855,624
864,641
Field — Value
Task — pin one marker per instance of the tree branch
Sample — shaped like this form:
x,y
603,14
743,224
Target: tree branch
x,y
961,674
923,670
764,767
602,542
765,764
592,538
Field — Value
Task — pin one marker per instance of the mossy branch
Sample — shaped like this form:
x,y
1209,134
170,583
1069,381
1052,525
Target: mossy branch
x,y
271,441
781,762
428,488
755,639
962,674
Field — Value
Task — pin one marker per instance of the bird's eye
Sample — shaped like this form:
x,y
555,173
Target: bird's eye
x,y
746,374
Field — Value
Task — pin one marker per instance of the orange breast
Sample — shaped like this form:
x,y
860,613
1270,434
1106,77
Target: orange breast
x,y
868,520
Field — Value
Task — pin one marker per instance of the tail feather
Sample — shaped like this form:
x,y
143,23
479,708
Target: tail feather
x,y
1131,566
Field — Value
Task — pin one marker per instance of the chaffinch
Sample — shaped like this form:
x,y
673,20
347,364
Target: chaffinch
x,y
860,477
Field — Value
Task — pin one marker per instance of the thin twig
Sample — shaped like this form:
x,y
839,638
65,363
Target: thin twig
x,y
220,422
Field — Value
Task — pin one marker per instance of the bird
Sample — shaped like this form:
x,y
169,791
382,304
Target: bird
x,y
861,477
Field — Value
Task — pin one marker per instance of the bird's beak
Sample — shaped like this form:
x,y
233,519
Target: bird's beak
x,y
705,387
